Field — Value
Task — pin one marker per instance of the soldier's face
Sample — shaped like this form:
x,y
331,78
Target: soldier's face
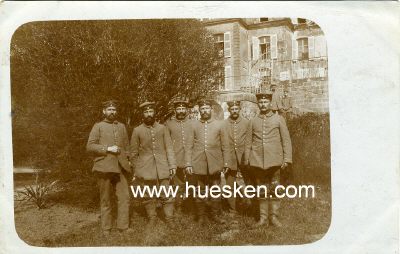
x,y
148,116
180,113
205,112
234,111
110,113
285,93
264,105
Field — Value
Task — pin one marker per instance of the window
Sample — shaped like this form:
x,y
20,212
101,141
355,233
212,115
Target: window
x,y
302,45
263,19
219,43
223,44
265,47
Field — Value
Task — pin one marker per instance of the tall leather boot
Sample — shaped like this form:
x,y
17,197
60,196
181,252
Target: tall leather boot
x,y
232,204
168,208
215,210
178,205
263,221
150,206
273,216
200,208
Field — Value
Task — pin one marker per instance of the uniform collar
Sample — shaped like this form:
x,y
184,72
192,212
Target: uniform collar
x,y
181,121
235,121
108,121
269,114
150,126
208,121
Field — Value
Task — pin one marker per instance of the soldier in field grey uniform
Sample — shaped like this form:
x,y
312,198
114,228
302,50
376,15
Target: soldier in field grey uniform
x,y
268,149
206,158
109,142
154,161
180,127
236,128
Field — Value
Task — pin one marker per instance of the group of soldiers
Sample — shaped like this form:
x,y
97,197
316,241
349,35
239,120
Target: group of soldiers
x,y
194,151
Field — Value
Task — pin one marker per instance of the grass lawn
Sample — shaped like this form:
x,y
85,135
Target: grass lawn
x,y
73,220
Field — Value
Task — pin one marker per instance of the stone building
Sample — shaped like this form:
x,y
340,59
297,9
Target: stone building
x,y
259,52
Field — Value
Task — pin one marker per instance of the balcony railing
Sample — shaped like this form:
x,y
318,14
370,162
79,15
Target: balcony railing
x,y
289,69
265,72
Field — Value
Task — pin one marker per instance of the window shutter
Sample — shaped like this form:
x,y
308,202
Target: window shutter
x,y
311,47
228,77
274,46
295,49
227,44
317,46
256,48
323,50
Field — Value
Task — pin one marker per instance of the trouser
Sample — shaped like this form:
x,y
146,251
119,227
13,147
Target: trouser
x,y
108,184
180,179
270,178
150,203
230,178
203,182
249,179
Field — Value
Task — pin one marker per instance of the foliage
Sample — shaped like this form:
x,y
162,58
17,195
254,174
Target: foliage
x,y
62,70
37,193
310,135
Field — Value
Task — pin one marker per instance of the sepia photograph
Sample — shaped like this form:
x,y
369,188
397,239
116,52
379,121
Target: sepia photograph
x,y
192,127
110,105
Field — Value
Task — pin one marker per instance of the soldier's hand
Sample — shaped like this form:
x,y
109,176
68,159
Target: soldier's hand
x,y
172,172
239,174
189,170
284,165
113,149
225,170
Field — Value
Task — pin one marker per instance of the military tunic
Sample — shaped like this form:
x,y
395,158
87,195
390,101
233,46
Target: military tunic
x,y
103,135
268,142
208,148
111,170
236,132
275,102
180,131
286,103
151,151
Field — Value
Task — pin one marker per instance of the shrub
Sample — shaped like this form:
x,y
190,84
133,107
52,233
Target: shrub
x,y
310,135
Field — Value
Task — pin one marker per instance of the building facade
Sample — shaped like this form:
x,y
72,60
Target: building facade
x,y
260,52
